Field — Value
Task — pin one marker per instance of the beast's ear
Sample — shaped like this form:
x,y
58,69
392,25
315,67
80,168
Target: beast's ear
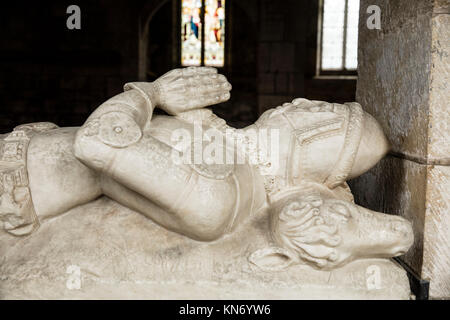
x,y
272,259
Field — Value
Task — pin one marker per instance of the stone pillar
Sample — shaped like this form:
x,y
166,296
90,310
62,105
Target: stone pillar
x,y
403,76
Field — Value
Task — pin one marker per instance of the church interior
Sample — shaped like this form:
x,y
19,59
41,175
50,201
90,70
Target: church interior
x,y
50,72
53,68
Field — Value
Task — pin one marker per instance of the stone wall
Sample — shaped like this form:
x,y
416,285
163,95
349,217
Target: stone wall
x,y
403,83
287,52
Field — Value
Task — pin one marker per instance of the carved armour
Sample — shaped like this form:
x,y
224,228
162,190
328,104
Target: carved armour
x,y
17,214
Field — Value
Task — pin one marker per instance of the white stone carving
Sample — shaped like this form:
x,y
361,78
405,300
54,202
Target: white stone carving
x,y
290,195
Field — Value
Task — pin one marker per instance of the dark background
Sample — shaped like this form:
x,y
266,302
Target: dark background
x,y
51,73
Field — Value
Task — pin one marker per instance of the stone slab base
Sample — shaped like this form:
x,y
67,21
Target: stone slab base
x,y
105,251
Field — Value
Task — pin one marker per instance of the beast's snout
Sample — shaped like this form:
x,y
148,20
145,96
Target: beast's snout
x,y
384,235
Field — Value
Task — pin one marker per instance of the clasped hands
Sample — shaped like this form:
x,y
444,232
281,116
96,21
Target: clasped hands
x,y
190,88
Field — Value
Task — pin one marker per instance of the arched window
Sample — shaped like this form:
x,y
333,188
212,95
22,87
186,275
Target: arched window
x,y
203,33
339,37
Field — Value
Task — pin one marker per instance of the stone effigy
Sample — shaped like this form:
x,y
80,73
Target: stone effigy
x,y
194,208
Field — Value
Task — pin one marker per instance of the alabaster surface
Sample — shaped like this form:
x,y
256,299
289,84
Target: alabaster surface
x,y
123,255
132,205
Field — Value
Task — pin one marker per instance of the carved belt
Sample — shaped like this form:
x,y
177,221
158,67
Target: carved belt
x,y
17,214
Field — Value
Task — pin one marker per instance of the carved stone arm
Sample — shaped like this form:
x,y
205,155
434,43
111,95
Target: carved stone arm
x,y
117,123
135,104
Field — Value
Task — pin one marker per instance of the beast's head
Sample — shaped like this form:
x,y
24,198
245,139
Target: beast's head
x,y
327,233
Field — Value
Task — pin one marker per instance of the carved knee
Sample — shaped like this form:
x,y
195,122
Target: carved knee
x,y
208,211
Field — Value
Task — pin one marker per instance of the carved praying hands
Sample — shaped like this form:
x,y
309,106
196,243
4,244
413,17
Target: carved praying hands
x,y
181,90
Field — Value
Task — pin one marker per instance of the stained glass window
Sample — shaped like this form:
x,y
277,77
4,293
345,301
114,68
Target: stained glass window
x,y
339,50
203,47
191,32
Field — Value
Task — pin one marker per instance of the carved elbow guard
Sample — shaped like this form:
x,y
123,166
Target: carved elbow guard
x,y
118,130
96,137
